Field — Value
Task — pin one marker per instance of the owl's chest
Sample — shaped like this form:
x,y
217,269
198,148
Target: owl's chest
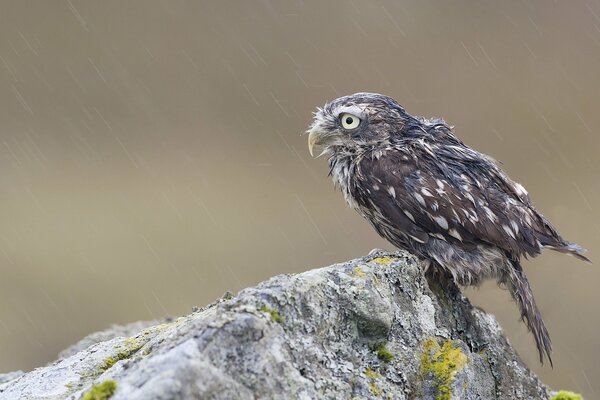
x,y
343,174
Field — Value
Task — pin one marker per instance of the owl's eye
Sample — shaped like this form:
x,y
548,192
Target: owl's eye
x,y
349,121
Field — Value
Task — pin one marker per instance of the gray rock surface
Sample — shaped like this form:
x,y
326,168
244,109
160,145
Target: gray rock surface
x,y
366,329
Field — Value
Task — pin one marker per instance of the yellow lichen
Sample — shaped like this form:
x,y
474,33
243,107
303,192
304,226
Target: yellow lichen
x,y
443,364
126,350
385,260
358,272
372,374
373,388
566,395
102,391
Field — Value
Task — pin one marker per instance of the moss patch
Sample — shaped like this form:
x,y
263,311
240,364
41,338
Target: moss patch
x,y
128,349
383,353
442,363
385,260
102,391
275,317
566,395
227,295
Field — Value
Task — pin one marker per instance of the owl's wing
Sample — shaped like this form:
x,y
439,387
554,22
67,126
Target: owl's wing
x,y
467,206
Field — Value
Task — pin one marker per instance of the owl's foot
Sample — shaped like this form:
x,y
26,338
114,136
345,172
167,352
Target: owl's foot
x,y
377,251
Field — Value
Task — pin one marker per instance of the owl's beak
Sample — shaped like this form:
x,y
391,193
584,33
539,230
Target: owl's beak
x,y
313,139
317,138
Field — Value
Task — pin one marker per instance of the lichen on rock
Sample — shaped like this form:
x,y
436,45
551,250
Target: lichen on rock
x,y
373,327
440,365
566,395
101,391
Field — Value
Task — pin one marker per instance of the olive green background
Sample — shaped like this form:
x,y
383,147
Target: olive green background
x,y
151,155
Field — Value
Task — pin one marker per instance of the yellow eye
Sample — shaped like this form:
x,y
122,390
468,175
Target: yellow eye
x,y
349,121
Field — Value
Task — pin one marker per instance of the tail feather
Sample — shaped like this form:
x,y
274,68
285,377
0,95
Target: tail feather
x,y
571,248
518,285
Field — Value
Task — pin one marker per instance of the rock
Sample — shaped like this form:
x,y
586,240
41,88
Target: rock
x,y
114,331
10,376
368,328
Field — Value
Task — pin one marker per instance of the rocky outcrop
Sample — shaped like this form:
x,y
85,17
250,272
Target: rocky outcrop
x,y
368,328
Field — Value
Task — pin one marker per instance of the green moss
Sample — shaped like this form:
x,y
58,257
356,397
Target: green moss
x,y
383,353
385,260
227,295
566,395
128,349
443,364
102,391
273,312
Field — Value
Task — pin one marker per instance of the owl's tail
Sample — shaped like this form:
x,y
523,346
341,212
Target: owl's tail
x,y
570,248
518,285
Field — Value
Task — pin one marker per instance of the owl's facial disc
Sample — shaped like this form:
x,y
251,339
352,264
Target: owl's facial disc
x,y
332,127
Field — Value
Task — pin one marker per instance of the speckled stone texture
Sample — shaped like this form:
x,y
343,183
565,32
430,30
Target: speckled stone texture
x,y
369,328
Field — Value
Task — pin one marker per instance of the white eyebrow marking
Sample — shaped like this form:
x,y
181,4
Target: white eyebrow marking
x,y
353,109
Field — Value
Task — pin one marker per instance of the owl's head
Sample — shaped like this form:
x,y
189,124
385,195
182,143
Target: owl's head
x,y
356,121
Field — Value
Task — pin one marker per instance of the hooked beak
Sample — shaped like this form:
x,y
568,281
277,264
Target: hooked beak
x,y
313,139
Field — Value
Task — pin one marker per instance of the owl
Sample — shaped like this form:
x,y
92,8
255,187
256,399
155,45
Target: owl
x,y
425,191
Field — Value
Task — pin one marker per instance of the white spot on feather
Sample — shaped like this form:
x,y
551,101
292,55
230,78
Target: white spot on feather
x,y
514,226
489,213
419,198
456,217
468,196
426,192
438,235
409,215
452,232
441,221
416,239
473,217
520,190
508,230
391,191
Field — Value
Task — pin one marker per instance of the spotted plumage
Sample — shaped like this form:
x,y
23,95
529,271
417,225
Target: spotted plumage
x,y
425,191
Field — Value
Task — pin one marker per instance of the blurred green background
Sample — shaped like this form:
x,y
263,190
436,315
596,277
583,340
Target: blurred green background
x,y
151,155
